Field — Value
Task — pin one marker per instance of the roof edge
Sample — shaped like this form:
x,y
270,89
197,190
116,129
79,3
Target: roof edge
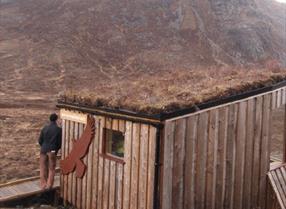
x,y
115,113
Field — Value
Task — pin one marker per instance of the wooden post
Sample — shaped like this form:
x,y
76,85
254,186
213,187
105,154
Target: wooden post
x,y
284,142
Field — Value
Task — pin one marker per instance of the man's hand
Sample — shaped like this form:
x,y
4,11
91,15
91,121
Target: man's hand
x,y
59,122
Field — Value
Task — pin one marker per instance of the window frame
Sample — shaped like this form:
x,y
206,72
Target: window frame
x,y
104,152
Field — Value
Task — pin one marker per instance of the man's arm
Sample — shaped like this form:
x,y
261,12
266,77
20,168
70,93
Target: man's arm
x,y
41,138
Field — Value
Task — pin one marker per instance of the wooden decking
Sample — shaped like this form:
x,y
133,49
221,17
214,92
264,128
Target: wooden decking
x,y
23,188
277,178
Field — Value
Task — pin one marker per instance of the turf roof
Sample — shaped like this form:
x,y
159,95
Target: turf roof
x,y
169,91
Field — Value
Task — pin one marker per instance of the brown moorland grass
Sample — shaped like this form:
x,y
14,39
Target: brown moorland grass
x,y
172,90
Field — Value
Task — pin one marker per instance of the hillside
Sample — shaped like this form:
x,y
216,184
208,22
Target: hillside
x,y
47,46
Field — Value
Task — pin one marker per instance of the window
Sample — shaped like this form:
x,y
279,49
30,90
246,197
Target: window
x,y
113,143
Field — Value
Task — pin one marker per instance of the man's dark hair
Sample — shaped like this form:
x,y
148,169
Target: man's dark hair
x,y
53,117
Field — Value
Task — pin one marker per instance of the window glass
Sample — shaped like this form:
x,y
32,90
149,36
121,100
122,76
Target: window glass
x,y
114,143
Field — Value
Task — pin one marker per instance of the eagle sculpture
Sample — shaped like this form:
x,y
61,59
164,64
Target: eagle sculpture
x,y
73,162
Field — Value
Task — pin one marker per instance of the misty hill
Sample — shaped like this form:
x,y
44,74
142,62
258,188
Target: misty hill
x,y
48,44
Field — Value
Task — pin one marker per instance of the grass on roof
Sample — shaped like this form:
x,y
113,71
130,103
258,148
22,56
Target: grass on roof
x,y
171,90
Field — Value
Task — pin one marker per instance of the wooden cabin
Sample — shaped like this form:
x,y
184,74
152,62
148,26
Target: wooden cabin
x,y
211,155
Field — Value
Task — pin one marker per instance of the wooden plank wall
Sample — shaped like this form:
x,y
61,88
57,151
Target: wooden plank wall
x,y
218,158
110,184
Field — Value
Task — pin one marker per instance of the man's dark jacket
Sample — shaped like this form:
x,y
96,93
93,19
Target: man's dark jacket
x,y
50,138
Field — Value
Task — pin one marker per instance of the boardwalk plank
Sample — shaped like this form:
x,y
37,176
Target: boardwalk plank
x,y
23,189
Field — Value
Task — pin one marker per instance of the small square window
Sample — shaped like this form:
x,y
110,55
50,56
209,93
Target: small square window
x,y
114,143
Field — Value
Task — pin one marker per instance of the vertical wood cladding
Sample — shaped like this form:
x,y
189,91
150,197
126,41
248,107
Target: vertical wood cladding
x,y
218,158
111,184
213,159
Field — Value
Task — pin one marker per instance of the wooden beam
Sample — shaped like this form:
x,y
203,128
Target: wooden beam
x,y
221,158
211,169
190,162
200,175
168,165
284,141
178,167
249,154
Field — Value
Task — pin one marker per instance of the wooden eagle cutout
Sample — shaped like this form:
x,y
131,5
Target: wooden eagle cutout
x,y
73,162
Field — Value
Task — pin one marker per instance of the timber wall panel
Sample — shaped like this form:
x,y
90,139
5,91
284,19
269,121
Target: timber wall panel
x,y
278,98
265,151
190,156
119,186
168,165
178,167
119,173
95,164
256,151
76,135
200,175
90,174
70,176
212,142
274,99
135,165
79,181
62,156
100,166
108,183
240,155
84,179
230,156
66,141
218,158
221,157
112,176
112,185
106,175
143,167
127,166
73,180
151,167
247,188
283,96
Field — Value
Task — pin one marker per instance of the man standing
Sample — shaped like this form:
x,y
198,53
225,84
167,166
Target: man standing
x,y
50,141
